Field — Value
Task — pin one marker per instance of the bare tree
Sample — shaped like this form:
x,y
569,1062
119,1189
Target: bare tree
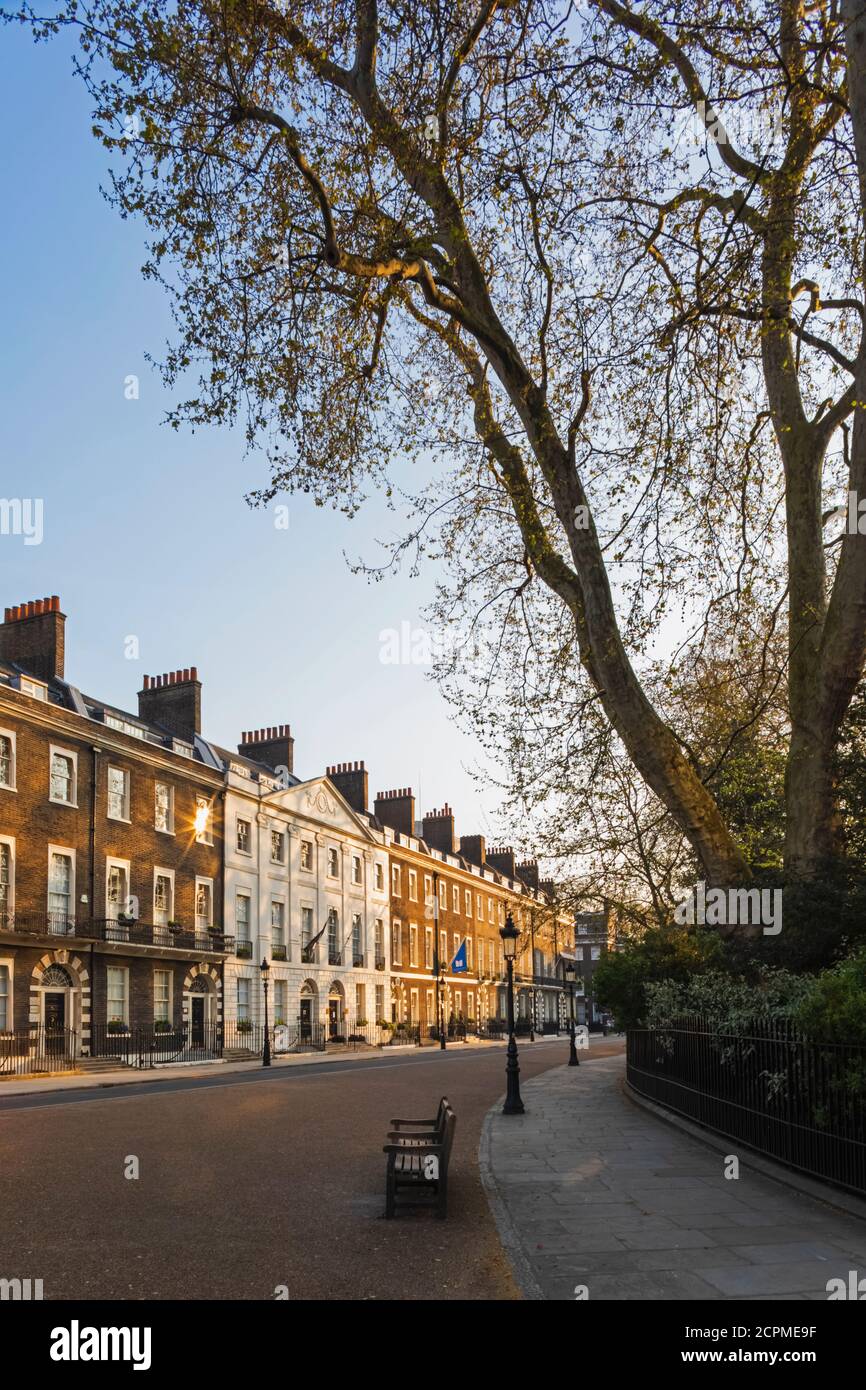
x,y
461,243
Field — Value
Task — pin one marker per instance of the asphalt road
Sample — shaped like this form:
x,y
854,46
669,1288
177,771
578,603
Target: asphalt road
x,y
250,1184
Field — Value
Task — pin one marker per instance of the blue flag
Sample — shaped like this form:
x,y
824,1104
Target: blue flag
x,y
458,964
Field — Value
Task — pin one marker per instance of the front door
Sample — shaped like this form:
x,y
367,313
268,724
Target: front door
x,y
198,1021
306,1018
333,1017
55,1022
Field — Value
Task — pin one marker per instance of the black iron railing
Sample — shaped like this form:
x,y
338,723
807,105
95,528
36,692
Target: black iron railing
x,y
109,929
357,960
335,957
244,950
27,1051
380,962
279,953
794,1099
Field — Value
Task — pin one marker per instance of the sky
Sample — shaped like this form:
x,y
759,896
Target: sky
x,y
145,531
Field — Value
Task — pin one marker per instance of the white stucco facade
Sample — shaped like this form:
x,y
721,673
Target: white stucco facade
x,y
300,863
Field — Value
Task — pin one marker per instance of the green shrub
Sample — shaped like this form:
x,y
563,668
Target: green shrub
x,y
834,1008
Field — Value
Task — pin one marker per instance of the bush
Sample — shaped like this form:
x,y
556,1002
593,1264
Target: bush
x,y
727,1003
661,954
834,1008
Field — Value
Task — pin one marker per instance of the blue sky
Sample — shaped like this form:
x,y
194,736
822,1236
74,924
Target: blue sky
x,y
146,532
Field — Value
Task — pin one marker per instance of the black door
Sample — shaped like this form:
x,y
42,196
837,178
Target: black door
x,y
197,1031
55,1023
306,1019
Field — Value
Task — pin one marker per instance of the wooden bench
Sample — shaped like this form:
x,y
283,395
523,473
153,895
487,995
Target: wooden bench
x,y
415,1131
418,1159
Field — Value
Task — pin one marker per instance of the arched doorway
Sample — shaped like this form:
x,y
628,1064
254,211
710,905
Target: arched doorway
x,y
308,1009
336,1010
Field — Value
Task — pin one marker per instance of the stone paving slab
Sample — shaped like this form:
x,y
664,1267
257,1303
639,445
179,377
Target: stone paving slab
x,y
588,1190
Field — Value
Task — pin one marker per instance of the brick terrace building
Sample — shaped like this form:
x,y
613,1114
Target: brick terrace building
x,y
443,895
111,847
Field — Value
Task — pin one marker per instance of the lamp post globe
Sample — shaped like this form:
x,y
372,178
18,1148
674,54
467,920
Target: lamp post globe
x,y
513,1103
266,1050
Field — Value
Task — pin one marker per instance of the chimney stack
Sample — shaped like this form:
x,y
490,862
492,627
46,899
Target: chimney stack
x,y
503,860
438,829
173,700
273,746
396,809
350,779
528,872
474,848
33,635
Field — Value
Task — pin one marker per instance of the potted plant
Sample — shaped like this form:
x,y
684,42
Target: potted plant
x,y
245,1025
175,928
162,1025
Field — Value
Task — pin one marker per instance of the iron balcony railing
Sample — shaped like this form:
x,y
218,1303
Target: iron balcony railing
x,y
279,953
308,955
136,933
357,960
244,950
380,962
335,957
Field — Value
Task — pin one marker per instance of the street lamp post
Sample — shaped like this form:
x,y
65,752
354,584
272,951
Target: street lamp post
x,y
513,1104
569,970
266,1050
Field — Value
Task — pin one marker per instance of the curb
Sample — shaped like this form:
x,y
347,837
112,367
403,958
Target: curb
x,y
837,1198
512,1242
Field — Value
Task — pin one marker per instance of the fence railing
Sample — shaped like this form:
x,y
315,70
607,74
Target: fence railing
x,y
792,1098
136,933
27,1051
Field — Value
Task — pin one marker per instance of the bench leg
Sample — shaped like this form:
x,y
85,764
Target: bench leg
x,y
442,1199
389,1193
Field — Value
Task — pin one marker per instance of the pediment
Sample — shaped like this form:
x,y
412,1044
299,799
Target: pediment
x,y
318,800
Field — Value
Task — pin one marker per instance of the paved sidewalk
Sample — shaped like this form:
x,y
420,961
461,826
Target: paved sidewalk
x,y
590,1189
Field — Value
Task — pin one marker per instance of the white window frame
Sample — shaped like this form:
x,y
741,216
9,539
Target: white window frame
x,y
248,897
396,881
112,862
281,903
428,948
69,853
413,945
279,842
202,882
333,863
56,749
160,970
357,870
397,942
455,899
169,874
239,821
9,963
205,836
169,829
468,894
307,854
413,885
11,786
124,971
127,782
380,877
9,842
